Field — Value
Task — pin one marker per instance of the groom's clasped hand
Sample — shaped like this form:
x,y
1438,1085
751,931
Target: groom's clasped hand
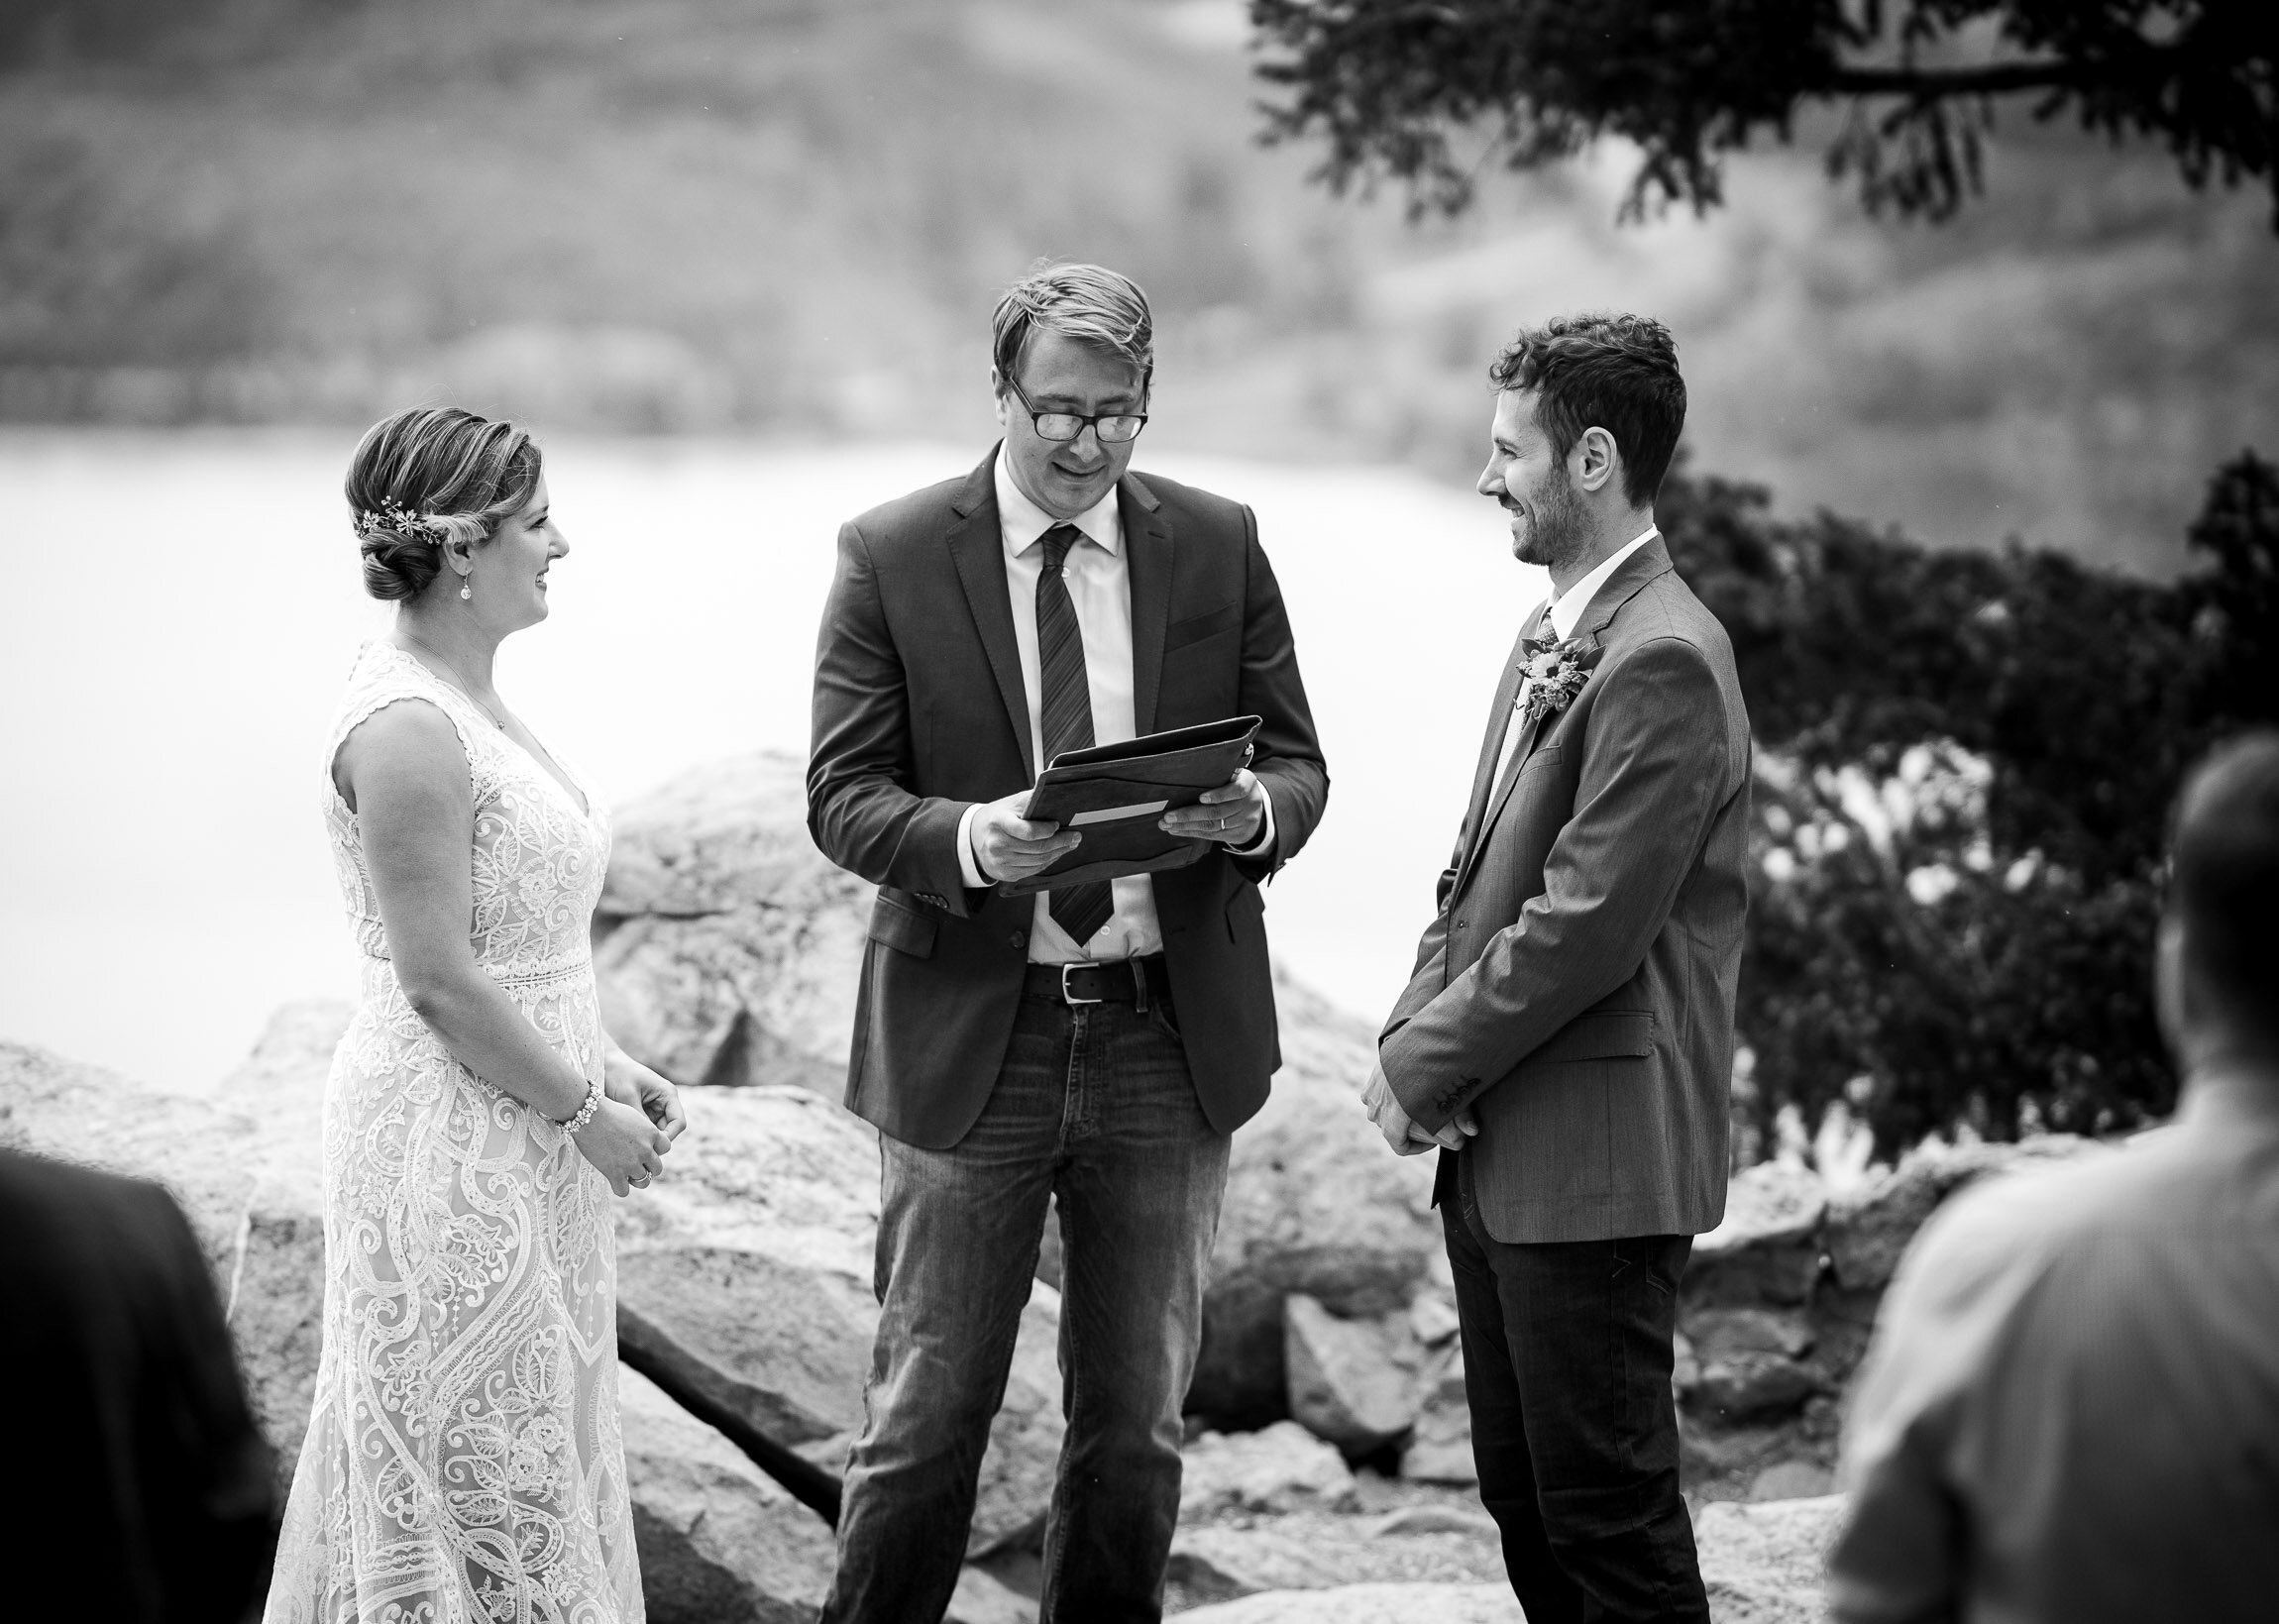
x,y
1401,1129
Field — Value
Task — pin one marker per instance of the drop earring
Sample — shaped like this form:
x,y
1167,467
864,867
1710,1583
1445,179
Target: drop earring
x,y
466,587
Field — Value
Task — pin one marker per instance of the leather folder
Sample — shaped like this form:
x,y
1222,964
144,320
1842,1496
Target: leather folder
x,y
1113,794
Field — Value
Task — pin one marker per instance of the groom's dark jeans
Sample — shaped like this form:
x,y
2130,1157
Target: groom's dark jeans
x,y
1566,1364
1094,1106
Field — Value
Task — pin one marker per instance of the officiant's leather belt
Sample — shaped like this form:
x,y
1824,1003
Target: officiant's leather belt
x,y
1138,981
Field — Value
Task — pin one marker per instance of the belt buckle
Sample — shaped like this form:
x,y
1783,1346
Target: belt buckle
x,y
1067,997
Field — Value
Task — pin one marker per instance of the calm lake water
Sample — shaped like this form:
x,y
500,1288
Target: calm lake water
x,y
181,610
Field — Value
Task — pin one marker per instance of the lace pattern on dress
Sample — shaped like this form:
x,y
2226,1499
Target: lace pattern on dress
x,y
463,1462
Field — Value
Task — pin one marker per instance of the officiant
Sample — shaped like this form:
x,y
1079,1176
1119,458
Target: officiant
x,y
1097,1042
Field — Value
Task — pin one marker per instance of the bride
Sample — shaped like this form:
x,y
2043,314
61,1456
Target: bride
x,y
463,1464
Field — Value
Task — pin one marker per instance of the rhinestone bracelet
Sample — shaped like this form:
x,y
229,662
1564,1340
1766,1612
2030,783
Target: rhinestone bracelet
x,y
586,1111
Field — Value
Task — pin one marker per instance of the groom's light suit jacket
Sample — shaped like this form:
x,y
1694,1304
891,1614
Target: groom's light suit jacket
x,y
1577,987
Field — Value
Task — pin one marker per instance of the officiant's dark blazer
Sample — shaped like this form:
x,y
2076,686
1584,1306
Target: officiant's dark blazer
x,y
1576,987
920,710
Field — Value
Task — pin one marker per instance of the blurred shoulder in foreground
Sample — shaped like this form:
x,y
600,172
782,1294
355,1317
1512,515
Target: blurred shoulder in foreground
x,y
2072,1408
138,1483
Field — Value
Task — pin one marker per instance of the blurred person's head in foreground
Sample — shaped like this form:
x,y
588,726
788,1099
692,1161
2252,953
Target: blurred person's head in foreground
x,y
2070,1412
2219,964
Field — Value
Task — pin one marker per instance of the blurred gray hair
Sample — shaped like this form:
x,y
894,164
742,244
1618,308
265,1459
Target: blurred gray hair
x,y
1088,303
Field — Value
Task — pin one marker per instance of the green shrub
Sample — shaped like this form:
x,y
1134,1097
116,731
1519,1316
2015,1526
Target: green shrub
x,y
1965,763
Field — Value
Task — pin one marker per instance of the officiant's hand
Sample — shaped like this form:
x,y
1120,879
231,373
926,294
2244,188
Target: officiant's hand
x,y
1401,1129
1008,846
1235,812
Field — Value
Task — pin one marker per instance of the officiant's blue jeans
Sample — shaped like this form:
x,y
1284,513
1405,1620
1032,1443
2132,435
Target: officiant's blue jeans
x,y
1094,1106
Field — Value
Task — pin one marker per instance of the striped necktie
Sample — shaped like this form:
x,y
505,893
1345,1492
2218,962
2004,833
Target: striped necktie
x,y
1066,716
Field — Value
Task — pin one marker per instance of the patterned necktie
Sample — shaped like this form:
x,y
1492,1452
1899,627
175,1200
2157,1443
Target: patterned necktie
x,y
1066,716
1546,638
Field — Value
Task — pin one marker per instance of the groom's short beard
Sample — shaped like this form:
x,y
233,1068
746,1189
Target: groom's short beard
x,y
1560,528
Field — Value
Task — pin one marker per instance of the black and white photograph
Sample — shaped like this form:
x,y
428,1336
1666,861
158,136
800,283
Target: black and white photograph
x,y
1072,811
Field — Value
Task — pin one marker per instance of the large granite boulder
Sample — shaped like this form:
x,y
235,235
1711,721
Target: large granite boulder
x,y
1760,1563
1218,1562
277,1317
1278,1468
1779,1304
1867,1229
1370,1604
1748,1361
1766,1562
1357,1383
247,1165
720,1542
981,1597
727,949
1316,1205
751,1252
727,944
1440,1448
78,1113
749,1264
1767,1250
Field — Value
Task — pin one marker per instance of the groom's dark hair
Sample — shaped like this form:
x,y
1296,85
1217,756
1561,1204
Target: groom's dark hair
x,y
1609,372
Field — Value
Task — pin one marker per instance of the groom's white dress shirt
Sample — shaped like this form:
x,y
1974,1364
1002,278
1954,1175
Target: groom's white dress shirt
x,y
1567,612
1098,575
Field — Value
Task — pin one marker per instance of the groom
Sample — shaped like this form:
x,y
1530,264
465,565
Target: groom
x,y
1566,1036
1096,1044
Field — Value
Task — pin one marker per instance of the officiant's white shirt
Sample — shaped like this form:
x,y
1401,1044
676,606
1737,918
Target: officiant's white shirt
x,y
1098,573
1567,612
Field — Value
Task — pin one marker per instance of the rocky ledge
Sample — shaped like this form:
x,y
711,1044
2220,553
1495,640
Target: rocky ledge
x,y
1329,1471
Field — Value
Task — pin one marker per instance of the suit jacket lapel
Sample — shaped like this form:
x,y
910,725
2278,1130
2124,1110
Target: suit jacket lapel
x,y
1480,816
1492,747
976,543
1535,728
1149,558
1618,588
1623,585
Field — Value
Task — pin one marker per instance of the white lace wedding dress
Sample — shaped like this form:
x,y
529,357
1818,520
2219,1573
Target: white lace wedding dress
x,y
463,1464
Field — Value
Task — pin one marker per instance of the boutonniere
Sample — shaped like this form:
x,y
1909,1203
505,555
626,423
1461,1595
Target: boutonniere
x,y
1555,673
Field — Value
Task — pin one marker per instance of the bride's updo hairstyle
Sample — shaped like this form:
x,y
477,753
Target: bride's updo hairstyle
x,y
429,476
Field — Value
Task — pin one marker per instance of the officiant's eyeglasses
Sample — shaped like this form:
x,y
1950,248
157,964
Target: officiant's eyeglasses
x,y
1114,428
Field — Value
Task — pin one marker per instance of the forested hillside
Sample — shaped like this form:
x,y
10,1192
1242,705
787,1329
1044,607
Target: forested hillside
x,y
788,216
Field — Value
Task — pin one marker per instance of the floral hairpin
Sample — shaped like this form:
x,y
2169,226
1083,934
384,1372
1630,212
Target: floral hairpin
x,y
393,515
